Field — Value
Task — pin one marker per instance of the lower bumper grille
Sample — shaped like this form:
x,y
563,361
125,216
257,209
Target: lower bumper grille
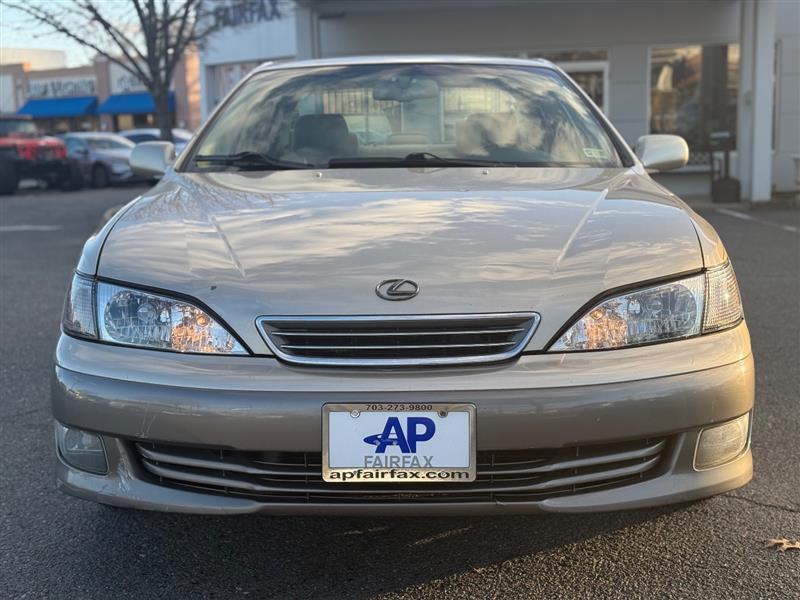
x,y
503,476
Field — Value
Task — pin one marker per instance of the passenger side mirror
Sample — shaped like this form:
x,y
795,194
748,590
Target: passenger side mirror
x,y
152,158
662,152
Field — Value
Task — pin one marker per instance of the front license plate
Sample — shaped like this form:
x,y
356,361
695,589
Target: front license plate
x,y
399,443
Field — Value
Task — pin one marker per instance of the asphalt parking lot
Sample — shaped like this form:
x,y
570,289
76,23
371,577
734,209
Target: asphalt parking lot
x,y
53,546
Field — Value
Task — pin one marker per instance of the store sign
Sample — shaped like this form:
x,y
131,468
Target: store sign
x,y
245,12
124,82
62,87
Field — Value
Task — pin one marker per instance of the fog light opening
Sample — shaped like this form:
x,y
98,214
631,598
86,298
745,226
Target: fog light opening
x,y
81,449
721,444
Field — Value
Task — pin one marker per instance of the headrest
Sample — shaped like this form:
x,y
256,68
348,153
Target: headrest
x,y
480,132
323,133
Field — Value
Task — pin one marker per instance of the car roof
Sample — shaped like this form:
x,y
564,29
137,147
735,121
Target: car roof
x,y
392,59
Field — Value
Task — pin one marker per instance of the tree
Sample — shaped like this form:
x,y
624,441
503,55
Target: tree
x,y
145,37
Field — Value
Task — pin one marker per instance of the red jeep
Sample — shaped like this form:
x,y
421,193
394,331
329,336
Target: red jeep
x,y
27,154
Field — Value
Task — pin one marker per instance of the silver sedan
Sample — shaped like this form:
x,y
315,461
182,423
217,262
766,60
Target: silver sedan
x,y
479,303
103,158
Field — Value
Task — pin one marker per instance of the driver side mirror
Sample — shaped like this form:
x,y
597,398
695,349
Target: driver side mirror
x,y
152,159
662,152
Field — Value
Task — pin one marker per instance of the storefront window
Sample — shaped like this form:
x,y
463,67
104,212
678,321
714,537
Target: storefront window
x,y
225,77
134,121
693,92
588,67
56,126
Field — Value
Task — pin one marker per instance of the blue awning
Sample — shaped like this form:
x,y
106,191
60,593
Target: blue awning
x,y
131,104
46,108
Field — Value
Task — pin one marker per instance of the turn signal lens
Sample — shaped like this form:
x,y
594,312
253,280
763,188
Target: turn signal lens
x,y
722,443
138,318
723,303
78,316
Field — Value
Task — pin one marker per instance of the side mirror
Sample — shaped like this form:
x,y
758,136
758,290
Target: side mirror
x,y
152,158
661,152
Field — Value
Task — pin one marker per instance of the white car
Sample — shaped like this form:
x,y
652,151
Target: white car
x,y
180,137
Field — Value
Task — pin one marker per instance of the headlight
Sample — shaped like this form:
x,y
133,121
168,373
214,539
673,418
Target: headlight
x,y
137,318
699,304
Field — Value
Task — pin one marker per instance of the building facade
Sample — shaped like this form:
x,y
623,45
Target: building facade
x,y
100,96
250,32
721,73
35,58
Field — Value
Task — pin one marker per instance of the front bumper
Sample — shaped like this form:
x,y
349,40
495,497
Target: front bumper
x,y
539,401
126,176
49,169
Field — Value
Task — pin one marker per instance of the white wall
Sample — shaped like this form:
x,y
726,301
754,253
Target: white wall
x,y
787,142
8,101
247,42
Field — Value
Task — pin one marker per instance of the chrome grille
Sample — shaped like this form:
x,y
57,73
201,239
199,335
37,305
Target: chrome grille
x,y
392,340
503,476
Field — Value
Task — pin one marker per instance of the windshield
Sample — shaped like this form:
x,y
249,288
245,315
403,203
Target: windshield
x,y
399,115
109,143
8,126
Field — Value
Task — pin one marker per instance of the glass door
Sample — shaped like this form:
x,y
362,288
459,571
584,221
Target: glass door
x,y
592,76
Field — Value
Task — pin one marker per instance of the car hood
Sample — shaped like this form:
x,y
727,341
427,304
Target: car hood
x,y
475,240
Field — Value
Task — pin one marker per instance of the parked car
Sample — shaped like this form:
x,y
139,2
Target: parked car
x,y
103,157
180,136
507,315
25,153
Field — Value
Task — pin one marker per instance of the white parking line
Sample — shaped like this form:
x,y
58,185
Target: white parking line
x,y
14,228
748,217
735,213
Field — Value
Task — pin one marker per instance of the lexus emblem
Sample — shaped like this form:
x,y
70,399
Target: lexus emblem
x,y
397,289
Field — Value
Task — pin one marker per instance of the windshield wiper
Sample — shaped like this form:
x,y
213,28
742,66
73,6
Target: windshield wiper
x,y
415,159
431,158
250,160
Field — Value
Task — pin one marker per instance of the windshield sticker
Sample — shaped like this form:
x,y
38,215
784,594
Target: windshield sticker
x,y
597,153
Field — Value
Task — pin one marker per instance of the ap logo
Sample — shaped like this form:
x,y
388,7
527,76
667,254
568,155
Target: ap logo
x,y
418,429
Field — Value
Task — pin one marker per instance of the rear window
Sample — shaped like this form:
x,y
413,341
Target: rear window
x,y
380,115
